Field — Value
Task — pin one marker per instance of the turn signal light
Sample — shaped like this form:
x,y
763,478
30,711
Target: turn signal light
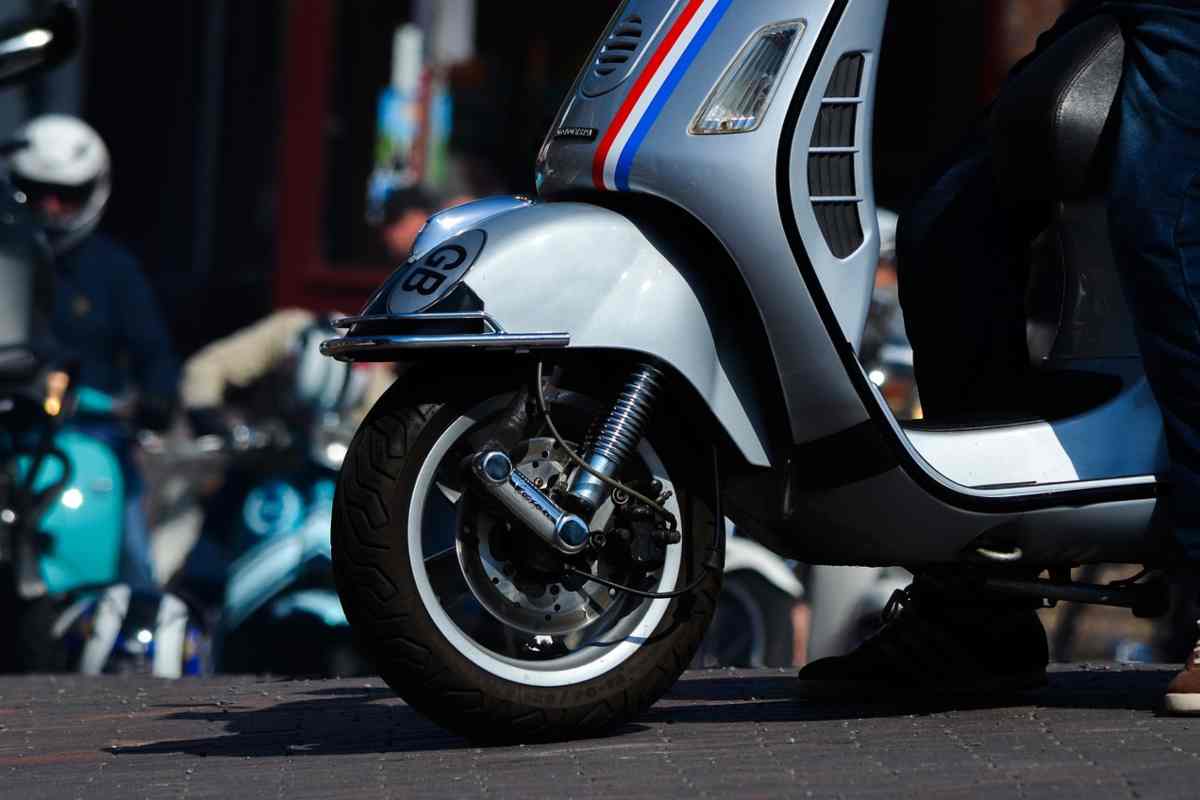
x,y
739,101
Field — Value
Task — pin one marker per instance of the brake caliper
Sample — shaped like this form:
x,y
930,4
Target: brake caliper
x,y
644,531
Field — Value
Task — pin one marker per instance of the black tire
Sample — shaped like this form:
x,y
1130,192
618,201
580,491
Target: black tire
x,y
378,591
752,626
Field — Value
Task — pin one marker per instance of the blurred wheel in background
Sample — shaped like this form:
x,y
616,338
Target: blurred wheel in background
x,y
752,626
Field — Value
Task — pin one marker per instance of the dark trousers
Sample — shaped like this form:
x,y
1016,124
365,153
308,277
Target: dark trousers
x,y
962,255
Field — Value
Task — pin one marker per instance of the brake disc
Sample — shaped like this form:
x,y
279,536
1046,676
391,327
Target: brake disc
x,y
528,599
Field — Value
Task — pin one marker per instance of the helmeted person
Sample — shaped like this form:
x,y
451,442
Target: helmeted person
x,y
105,313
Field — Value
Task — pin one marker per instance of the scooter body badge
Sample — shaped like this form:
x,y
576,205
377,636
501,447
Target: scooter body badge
x,y
578,133
430,278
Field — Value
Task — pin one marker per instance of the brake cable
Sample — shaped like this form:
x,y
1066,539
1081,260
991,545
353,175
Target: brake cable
x,y
691,587
541,401
709,564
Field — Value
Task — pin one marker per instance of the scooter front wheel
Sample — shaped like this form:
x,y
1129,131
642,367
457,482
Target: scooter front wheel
x,y
472,619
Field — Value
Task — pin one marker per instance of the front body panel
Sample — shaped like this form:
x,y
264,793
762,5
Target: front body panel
x,y
618,287
729,182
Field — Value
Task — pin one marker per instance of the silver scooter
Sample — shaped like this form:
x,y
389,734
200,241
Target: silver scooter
x,y
526,526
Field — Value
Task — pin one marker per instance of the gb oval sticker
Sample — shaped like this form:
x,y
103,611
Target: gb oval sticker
x,y
431,277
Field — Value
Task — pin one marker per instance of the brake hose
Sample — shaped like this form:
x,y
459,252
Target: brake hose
x,y
709,563
691,587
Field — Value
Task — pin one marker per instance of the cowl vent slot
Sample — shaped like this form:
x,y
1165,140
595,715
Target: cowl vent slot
x,y
616,58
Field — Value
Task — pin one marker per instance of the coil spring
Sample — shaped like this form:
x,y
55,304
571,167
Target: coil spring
x,y
615,436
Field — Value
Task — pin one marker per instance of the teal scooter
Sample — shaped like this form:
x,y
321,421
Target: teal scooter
x,y
62,505
34,465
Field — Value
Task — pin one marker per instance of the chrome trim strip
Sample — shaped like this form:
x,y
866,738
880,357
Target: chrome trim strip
x,y
428,316
496,338
347,345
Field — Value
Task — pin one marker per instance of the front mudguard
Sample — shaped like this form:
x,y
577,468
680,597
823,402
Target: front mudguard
x,y
568,275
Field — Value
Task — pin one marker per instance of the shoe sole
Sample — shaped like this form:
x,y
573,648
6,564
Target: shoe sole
x,y
1183,703
873,691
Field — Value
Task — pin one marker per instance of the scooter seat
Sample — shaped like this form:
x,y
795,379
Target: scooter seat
x,y
1051,119
1052,127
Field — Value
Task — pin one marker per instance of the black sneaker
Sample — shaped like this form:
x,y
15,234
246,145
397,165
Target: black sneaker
x,y
936,642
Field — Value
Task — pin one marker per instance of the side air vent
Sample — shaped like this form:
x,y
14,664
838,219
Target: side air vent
x,y
835,126
831,175
616,58
847,76
833,158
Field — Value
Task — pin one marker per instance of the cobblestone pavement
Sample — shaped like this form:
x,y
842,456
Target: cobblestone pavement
x,y
1093,733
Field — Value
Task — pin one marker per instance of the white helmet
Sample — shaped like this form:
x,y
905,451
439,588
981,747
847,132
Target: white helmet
x,y
61,156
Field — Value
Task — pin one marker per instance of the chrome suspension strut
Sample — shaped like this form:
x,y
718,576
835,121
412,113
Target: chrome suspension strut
x,y
616,436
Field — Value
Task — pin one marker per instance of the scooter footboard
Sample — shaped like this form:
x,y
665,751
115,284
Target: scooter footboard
x,y
563,276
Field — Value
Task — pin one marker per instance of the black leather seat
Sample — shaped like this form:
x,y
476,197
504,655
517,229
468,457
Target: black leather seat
x,y
1052,130
1050,121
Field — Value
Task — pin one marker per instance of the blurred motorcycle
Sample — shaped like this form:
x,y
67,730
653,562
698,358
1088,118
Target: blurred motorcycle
x,y
753,625
261,563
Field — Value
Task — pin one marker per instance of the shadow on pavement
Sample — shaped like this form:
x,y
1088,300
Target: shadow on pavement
x,y
339,720
725,698
335,720
350,720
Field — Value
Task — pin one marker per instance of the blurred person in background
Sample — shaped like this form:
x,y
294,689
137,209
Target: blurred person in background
x,y
404,216
275,367
962,272
105,313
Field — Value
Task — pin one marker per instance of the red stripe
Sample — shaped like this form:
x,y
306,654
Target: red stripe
x,y
637,89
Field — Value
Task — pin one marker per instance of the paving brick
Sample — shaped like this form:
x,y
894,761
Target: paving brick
x,y
1093,733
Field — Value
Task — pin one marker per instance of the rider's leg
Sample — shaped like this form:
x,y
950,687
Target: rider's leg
x,y
962,277
962,273
1154,215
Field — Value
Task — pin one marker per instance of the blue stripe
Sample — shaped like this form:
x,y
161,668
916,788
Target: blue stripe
x,y
625,162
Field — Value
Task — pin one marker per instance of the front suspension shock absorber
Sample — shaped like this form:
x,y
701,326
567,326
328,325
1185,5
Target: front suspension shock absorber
x,y
616,436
